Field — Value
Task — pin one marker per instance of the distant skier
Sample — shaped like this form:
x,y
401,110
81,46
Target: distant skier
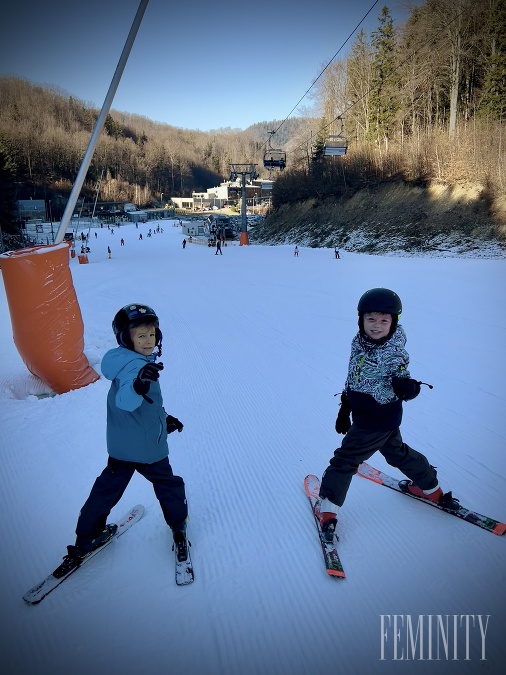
x,y
109,252
336,253
184,243
378,382
137,429
218,246
296,252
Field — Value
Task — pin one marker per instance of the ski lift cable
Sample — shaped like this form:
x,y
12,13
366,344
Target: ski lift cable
x,y
410,56
322,72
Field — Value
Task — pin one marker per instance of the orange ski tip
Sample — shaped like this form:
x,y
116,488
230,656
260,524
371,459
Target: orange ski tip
x,y
336,573
311,486
499,529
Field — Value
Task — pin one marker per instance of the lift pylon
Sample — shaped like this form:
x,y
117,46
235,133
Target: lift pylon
x,y
243,170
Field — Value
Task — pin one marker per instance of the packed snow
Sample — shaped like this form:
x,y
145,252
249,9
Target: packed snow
x,y
255,346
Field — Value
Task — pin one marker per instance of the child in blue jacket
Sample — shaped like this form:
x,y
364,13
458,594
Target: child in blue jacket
x,y
137,428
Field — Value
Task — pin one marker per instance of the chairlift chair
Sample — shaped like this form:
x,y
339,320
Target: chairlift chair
x,y
274,159
335,146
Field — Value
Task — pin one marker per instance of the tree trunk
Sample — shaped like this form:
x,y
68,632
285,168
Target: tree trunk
x,y
454,82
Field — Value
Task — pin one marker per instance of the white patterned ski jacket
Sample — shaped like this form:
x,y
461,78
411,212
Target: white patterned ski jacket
x,y
374,405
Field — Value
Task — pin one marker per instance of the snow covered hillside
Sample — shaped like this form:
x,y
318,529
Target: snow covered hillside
x,y
256,344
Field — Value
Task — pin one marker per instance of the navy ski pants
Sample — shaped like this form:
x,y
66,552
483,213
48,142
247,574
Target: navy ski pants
x,y
112,483
358,446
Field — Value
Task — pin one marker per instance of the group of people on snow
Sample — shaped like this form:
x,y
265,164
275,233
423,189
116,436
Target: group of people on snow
x,y
369,418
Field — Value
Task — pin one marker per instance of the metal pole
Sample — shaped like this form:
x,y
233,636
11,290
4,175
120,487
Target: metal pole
x,y
51,216
95,202
96,196
244,221
99,125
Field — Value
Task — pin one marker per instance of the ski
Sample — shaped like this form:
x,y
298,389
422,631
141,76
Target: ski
x,y
330,555
184,567
490,524
62,572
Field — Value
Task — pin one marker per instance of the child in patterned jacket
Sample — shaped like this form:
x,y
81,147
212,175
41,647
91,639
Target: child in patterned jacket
x,y
377,383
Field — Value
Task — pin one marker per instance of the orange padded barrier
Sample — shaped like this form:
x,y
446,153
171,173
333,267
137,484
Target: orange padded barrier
x,y
46,318
244,239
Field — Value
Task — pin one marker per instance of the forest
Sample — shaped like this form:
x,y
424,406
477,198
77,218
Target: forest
x,y
421,103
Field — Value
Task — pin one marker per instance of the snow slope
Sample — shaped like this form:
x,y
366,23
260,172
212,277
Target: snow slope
x,y
256,344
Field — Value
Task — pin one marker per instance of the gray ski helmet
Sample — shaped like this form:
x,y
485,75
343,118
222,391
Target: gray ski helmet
x,y
130,316
380,300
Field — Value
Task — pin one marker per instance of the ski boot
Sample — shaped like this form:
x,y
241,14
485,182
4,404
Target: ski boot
x,y
76,554
83,547
328,519
443,499
180,545
328,523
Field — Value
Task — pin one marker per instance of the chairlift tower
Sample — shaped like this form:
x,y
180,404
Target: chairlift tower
x,y
243,170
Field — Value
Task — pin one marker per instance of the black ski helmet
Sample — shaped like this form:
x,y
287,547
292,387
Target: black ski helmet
x,y
380,300
133,315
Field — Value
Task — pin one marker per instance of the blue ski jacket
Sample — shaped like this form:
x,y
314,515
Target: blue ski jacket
x,y
136,429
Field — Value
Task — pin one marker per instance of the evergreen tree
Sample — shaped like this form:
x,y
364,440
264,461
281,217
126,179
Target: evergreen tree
x,y
358,86
493,103
7,188
319,140
112,127
383,98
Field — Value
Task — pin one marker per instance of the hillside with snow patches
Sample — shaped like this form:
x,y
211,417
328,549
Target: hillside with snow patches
x,y
255,346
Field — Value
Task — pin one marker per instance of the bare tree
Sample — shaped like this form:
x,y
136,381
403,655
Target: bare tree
x,y
358,87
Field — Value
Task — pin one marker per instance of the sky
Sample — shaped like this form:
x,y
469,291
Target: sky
x,y
193,65
255,345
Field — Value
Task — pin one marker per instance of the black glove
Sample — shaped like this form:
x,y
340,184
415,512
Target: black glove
x,y
405,388
147,374
343,422
173,424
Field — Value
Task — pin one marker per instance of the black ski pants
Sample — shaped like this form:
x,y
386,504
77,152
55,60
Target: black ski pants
x,y
358,446
112,483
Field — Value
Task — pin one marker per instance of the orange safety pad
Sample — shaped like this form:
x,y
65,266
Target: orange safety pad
x,y
46,319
